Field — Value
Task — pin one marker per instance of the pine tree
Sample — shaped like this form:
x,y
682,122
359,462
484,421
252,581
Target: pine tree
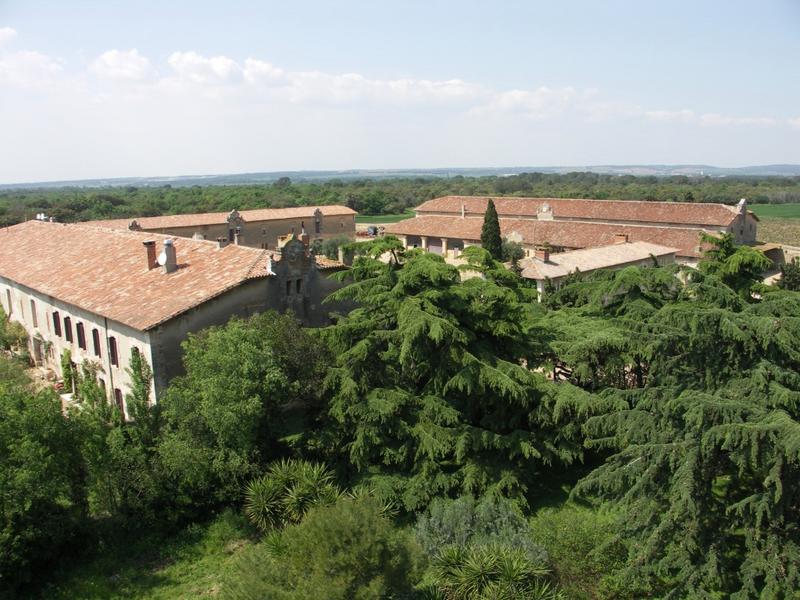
x,y
429,393
490,232
703,462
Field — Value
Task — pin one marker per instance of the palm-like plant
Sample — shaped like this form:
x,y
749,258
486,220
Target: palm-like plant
x,y
487,572
286,492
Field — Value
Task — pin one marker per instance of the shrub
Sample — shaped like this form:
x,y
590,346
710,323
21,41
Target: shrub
x,y
466,521
348,550
583,550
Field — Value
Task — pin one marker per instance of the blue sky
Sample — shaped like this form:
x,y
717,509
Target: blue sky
x,y
112,88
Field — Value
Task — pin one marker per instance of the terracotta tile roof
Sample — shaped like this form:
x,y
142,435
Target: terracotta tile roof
x,y
104,271
591,259
684,213
219,218
567,234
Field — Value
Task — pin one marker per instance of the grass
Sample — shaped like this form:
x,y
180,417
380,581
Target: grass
x,y
371,219
783,211
191,564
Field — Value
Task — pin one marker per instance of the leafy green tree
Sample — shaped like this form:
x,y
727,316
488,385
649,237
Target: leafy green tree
x,y
42,497
349,550
67,371
12,334
123,475
230,414
790,275
429,395
490,232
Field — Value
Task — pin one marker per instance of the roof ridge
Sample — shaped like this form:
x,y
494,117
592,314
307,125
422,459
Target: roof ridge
x,y
648,202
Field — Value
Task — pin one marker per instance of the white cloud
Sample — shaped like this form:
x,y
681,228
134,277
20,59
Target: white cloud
x,y
707,119
28,69
216,70
537,104
260,72
122,64
670,115
7,34
713,119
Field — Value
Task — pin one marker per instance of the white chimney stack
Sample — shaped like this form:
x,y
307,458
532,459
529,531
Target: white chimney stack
x,y
168,258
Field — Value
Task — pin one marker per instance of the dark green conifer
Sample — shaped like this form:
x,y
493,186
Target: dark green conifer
x,y
490,233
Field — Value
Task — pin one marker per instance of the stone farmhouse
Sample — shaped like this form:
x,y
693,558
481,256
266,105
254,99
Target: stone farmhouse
x,y
259,228
555,268
105,293
446,225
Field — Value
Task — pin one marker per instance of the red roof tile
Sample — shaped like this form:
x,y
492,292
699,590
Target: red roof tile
x,y
567,234
684,213
218,218
104,271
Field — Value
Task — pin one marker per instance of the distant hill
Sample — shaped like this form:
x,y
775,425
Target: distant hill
x,y
270,176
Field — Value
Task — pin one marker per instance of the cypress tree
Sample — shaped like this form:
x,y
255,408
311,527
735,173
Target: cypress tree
x,y
490,233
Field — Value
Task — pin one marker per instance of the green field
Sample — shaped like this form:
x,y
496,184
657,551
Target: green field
x,y
782,211
384,218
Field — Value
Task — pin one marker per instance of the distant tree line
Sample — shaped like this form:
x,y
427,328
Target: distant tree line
x,y
380,196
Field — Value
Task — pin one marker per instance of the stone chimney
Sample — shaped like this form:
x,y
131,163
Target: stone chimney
x,y
542,253
620,238
238,237
742,206
222,242
150,247
463,210
170,258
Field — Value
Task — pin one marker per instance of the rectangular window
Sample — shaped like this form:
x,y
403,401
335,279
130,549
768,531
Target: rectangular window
x,y
112,351
68,328
299,285
81,336
34,318
57,323
288,288
119,401
96,342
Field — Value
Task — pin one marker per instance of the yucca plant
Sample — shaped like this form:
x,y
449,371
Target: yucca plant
x,y
490,572
286,492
